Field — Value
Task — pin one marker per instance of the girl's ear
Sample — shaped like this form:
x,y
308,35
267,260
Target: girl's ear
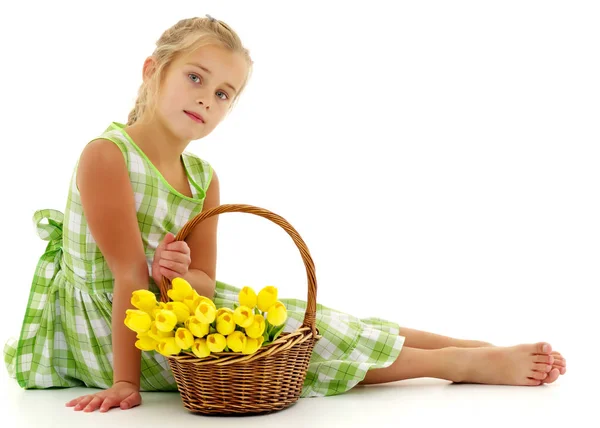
x,y
148,69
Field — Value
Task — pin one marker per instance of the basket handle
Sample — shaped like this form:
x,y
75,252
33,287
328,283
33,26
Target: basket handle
x,y
311,307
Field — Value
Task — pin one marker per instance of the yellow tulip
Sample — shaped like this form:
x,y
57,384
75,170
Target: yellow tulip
x,y
252,346
222,311
247,297
144,300
161,305
257,328
243,316
197,327
158,335
182,312
192,301
180,290
236,341
205,312
207,301
184,338
225,324
165,320
145,342
277,314
216,342
168,346
266,298
137,320
200,348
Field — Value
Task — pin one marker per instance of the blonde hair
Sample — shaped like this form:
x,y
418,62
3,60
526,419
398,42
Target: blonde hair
x,y
183,38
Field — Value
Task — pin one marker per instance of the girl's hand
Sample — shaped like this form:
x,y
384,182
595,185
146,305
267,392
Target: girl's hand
x,y
122,394
171,259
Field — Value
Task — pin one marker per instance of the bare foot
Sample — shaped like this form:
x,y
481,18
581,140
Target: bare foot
x,y
516,365
560,363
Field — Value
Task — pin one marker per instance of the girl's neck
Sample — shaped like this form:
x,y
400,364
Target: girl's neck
x,y
162,147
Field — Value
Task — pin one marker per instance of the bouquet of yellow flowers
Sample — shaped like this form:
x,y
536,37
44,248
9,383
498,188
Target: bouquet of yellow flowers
x,y
190,323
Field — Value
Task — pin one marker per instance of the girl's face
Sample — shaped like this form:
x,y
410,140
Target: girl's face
x,y
197,91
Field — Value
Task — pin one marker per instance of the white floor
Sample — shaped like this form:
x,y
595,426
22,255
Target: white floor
x,y
421,402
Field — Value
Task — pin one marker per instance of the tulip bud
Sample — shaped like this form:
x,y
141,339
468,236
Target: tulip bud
x,y
243,316
225,324
181,311
221,311
165,320
266,298
216,342
184,338
144,300
168,346
180,290
197,327
251,347
236,341
277,314
247,297
158,335
161,305
208,301
257,328
206,312
137,320
200,348
192,301
145,342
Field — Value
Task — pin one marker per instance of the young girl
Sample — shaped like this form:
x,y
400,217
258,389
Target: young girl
x,y
133,188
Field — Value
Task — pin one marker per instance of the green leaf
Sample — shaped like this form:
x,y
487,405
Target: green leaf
x,y
235,306
277,331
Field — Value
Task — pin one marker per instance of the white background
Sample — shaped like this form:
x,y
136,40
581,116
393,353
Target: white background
x,y
440,159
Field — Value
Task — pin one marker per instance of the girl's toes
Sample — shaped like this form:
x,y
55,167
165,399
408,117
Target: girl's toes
x,y
538,375
532,382
547,359
552,376
544,368
542,348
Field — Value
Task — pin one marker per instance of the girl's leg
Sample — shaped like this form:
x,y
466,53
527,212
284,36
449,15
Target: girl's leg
x,y
424,340
517,365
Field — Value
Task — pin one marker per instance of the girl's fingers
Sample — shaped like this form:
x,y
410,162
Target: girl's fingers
x,y
176,256
108,404
169,274
94,404
134,399
178,246
84,402
180,268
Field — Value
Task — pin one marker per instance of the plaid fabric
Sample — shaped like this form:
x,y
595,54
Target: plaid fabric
x,y
65,339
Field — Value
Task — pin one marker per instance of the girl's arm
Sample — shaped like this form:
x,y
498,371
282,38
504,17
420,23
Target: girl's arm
x,y
203,245
109,207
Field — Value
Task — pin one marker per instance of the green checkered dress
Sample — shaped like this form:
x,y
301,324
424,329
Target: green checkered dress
x,y
65,339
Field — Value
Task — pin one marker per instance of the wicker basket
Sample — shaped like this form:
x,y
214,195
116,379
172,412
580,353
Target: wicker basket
x,y
271,379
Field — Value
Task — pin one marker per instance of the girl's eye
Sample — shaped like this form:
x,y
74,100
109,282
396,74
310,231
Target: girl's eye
x,y
192,76
224,97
